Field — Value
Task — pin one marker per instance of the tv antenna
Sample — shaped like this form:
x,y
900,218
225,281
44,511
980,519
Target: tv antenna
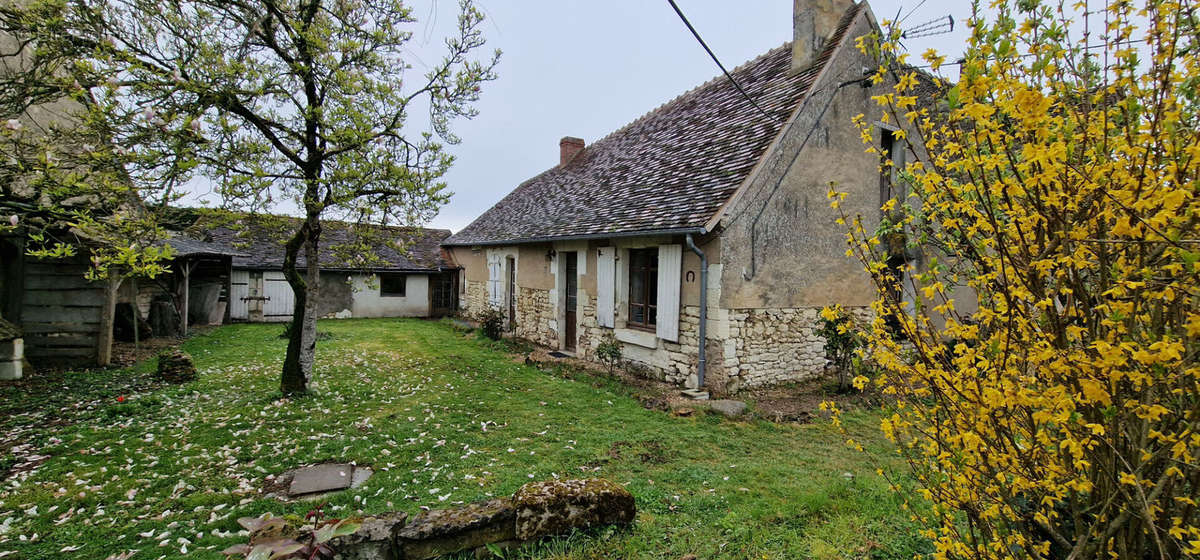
x,y
939,26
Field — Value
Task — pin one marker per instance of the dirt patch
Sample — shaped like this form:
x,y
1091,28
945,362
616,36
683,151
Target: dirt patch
x,y
801,402
124,354
649,452
790,403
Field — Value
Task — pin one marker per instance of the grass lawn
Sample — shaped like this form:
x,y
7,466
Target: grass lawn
x,y
443,417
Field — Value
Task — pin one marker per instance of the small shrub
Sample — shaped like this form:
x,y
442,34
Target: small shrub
x,y
492,323
842,341
267,540
609,352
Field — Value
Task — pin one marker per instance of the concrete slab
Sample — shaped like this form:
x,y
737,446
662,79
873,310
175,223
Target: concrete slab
x,y
321,478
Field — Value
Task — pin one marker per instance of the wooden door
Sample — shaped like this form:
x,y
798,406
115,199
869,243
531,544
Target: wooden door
x,y
239,288
279,301
510,265
572,287
444,292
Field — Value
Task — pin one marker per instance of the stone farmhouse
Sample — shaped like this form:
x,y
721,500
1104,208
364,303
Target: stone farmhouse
x,y
704,220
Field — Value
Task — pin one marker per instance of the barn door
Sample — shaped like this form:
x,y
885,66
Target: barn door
x,y
279,302
239,291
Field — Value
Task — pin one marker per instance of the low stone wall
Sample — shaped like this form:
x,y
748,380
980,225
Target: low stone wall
x,y
538,509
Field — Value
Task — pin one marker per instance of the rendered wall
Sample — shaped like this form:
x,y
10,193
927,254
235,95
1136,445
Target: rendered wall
x,y
368,302
782,247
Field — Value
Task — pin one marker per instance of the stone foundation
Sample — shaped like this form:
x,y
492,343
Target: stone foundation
x,y
763,347
746,347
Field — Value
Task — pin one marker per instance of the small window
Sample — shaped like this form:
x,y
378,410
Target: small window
x,y
891,162
643,288
392,285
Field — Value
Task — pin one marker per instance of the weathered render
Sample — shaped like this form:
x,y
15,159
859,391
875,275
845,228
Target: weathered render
x,y
748,189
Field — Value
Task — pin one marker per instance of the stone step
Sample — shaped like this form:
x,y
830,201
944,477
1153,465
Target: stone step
x,y
695,394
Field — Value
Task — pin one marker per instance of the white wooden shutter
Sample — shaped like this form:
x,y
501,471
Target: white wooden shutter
x,y
670,263
495,294
605,284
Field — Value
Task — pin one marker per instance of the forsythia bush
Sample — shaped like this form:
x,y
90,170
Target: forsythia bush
x,y
1039,322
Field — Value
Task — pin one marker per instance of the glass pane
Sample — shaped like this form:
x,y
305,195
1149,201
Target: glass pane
x,y
637,314
652,288
637,287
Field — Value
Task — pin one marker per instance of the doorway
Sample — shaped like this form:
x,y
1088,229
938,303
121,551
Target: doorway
x,y
510,268
444,293
572,288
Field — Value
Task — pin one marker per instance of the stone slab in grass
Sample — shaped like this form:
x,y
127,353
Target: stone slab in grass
x,y
556,506
321,478
730,408
446,531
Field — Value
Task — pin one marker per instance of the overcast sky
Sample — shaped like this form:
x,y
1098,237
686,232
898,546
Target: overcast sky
x,y
585,68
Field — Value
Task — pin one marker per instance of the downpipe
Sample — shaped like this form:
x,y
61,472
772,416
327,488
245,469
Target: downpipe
x,y
703,310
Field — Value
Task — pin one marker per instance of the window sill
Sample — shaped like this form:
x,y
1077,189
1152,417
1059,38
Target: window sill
x,y
636,337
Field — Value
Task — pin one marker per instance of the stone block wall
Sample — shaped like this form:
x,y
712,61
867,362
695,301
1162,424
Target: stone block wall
x,y
769,346
476,298
536,317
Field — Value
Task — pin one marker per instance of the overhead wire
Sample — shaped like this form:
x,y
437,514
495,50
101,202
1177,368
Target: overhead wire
x,y
713,56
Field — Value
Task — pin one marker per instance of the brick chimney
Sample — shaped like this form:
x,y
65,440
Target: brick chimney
x,y
568,148
813,22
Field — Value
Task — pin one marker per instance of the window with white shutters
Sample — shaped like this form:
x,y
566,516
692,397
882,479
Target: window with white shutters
x,y
643,288
605,286
670,265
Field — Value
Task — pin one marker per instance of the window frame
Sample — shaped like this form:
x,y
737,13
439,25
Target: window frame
x,y
393,276
649,275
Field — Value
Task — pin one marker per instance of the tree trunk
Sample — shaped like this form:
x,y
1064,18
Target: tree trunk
x,y
302,339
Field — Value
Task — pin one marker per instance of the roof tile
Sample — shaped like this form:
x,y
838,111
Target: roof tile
x,y
671,169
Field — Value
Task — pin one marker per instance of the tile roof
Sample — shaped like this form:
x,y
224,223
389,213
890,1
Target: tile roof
x,y
259,242
188,247
671,169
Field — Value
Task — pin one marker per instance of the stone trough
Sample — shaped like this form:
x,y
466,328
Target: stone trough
x,y
537,509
